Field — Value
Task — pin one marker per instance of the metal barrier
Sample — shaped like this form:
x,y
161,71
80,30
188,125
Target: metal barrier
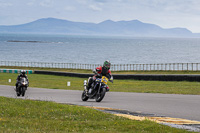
x,y
114,67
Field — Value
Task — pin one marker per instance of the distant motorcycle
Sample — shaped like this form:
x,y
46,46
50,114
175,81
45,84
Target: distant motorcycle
x,y
22,87
97,91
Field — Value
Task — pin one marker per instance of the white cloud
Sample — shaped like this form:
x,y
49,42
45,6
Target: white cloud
x,y
31,3
95,8
69,8
81,1
47,3
5,4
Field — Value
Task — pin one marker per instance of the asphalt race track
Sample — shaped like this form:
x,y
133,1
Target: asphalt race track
x,y
169,105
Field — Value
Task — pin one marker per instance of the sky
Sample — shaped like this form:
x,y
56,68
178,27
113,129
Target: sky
x,y
164,13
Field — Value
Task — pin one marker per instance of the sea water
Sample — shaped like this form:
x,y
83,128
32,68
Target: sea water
x,y
97,49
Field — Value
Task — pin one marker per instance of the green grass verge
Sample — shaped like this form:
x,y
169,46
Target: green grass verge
x,y
60,82
17,115
113,72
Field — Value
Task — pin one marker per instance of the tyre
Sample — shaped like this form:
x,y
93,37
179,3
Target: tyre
x,y
84,97
101,95
23,91
18,94
18,91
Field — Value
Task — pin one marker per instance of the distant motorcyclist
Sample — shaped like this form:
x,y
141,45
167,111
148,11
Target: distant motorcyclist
x,y
99,72
22,74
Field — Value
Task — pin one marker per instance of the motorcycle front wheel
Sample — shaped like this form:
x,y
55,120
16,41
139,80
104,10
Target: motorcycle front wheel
x,y
84,97
23,91
18,91
101,95
18,94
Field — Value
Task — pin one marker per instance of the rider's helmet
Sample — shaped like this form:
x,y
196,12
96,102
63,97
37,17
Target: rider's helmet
x,y
23,72
107,64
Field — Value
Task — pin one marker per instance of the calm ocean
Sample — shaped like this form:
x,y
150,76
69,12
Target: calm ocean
x,y
95,50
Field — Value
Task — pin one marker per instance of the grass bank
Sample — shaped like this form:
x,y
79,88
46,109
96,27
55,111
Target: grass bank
x,y
17,115
60,82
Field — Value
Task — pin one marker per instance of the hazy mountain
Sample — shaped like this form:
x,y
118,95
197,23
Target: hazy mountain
x,y
108,27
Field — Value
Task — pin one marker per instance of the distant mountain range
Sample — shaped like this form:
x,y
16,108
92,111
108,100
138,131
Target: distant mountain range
x,y
134,28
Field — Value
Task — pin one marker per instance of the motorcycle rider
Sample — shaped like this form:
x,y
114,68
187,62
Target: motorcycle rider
x,y
100,71
22,74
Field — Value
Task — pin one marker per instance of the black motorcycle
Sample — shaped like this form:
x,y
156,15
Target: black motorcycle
x,y
97,91
22,86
